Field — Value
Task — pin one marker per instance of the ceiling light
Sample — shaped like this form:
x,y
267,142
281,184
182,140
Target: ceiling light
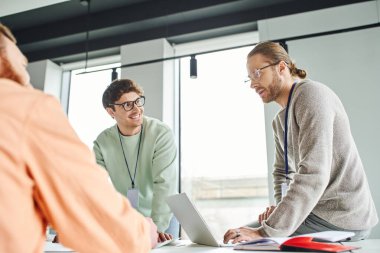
x,y
193,67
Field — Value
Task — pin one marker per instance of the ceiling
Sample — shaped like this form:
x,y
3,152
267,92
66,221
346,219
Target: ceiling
x,y
8,7
63,31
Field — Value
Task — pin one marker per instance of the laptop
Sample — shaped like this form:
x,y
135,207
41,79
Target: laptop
x,y
192,221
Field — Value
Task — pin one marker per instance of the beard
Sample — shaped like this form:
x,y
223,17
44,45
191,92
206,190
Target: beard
x,y
9,72
274,89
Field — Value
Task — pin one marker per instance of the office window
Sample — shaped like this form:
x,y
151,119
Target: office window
x,y
86,112
224,162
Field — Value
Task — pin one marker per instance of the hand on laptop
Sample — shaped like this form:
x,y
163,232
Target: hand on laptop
x,y
164,237
56,239
241,234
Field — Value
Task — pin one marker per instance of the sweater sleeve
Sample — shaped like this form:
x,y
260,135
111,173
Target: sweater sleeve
x,y
278,173
165,179
72,192
98,155
312,122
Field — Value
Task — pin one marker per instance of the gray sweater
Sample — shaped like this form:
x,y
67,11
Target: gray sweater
x,y
327,175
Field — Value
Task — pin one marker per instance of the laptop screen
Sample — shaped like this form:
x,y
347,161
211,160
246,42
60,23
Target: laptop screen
x,y
191,220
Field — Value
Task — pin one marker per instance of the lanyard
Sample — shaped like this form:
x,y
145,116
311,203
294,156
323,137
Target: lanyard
x,y
286,131
137,158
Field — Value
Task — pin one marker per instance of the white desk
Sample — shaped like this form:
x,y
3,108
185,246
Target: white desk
x,y
367,246
184,246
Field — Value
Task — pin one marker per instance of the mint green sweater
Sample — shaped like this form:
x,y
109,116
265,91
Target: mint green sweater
x,y
157,174
328,177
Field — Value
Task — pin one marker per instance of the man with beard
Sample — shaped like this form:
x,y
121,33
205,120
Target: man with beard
x,y
319,179
49,176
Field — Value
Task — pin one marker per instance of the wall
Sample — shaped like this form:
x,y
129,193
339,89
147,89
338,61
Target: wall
x,y
348,63
155,78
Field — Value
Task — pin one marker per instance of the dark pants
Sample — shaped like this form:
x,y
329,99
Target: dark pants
x,y
314,224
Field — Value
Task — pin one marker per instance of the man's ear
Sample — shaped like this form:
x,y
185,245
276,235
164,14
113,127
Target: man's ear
x,y
282,66
111,112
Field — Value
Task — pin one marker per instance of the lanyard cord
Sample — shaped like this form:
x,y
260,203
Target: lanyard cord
x,y
137,158
286,131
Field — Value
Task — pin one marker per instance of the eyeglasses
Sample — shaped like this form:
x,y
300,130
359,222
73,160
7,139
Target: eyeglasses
x,y
130,104
257,73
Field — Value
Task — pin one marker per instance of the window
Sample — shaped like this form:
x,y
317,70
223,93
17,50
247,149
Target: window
x,y
223,157
86,112
223,149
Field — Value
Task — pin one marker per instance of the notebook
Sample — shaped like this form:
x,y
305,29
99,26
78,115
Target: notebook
x,y
306,242
192,221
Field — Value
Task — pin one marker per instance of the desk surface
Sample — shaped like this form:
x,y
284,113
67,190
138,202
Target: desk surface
x,y
184,246
367,246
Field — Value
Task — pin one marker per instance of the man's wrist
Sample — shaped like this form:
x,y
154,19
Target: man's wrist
x,y
262,232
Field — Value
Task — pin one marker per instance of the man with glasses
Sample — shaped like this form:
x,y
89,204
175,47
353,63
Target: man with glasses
x,y
139,154
319,179
48,176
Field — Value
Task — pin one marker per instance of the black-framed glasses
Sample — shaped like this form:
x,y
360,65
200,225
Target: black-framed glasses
x,y
257,73
128,105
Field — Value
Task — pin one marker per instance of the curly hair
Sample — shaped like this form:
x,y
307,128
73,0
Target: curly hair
x,y
117,88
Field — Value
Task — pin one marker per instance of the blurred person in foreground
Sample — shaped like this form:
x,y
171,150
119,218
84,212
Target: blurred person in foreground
x,y
319,179
48,176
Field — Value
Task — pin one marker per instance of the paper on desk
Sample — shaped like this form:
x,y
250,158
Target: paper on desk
x,y
56,247
332,236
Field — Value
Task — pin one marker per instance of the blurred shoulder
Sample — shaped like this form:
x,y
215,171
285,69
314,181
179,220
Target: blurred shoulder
x,y
21,99
9,87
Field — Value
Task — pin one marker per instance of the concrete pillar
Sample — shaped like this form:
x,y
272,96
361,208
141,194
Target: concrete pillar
x,y
45,75
157,79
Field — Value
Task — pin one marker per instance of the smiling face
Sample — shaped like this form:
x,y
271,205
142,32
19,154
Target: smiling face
x,y
129,122
12,62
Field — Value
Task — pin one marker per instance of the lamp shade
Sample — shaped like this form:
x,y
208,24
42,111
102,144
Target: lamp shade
x,y
114,74
193,67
